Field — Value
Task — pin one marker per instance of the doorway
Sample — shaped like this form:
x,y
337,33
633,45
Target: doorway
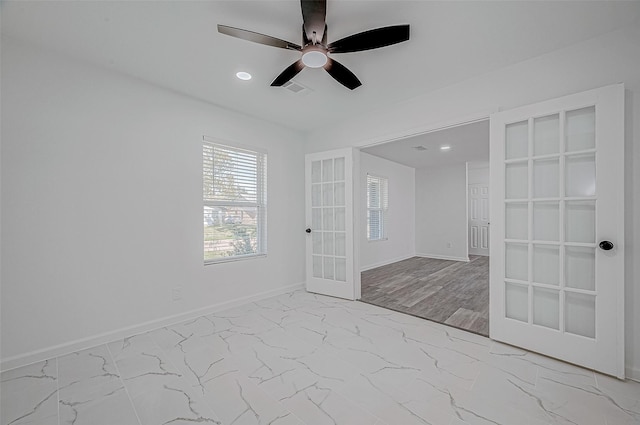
x,y
425,264
556,272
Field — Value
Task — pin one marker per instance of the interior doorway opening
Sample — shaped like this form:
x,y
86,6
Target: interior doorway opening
x,y
433,261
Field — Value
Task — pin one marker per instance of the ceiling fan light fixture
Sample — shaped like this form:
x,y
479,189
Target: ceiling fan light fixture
x,y
314,59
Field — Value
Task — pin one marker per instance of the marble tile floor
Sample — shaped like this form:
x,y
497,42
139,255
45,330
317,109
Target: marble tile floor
x,y
301,358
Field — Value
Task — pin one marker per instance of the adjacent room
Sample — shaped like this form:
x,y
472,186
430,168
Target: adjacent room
x,y
319,212
427,206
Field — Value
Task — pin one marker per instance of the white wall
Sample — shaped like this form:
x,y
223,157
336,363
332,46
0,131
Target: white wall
x,y
102,204
441,212
477,174
400,244
608,59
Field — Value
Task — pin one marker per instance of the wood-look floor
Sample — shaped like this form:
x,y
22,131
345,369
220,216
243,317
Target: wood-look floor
x,y
452,292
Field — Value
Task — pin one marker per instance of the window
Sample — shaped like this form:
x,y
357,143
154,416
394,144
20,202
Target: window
x,y
234,195
377,206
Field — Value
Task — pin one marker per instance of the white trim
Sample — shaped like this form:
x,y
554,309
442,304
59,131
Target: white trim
x,y
386,262
428,128
466,205
234,258
92,341
442,257
357,222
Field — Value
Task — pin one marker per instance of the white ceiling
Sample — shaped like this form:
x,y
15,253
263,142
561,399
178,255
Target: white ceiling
x,y
469,143
175,44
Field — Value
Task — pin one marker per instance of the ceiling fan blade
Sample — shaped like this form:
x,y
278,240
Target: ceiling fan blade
x,y
314,13
286,75
257,37
372,39
341,74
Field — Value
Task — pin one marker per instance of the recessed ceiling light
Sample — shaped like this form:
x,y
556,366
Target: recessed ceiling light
x,y
243,75
445,147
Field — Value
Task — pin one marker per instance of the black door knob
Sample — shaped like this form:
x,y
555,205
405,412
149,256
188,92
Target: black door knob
x,y
308,230
606,245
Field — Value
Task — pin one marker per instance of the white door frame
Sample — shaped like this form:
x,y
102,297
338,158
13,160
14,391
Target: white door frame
x,y
429,128
417,131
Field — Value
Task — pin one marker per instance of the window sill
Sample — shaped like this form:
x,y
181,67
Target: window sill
x,y
377,240
234,259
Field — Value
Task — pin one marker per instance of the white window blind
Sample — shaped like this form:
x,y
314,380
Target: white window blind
x,y
377,206
234,198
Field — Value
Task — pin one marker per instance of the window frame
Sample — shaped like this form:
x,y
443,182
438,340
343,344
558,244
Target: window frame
x,y
260,203
383,209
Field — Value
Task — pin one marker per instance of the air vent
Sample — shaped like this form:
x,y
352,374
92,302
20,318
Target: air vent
x,y
420,148
294,87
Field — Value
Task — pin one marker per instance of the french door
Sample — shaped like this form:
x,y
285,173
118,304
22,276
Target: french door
x,y
330,228
557,247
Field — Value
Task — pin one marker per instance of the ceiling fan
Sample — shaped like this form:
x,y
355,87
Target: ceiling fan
x,y
315,49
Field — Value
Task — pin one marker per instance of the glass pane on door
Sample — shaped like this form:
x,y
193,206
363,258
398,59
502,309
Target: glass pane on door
x,y
516,220
517,179
580,267
546,135
327,219
327,170
546,307
316,218
516,144
580,221
545,178
581,129
516,261
328,209
580,175
580,310
517,302
546,221
339,219
546,264
550,221
317,266
316,238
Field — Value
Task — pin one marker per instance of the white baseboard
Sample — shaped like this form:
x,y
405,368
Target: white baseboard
x,y
386,262
92,341
443,257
